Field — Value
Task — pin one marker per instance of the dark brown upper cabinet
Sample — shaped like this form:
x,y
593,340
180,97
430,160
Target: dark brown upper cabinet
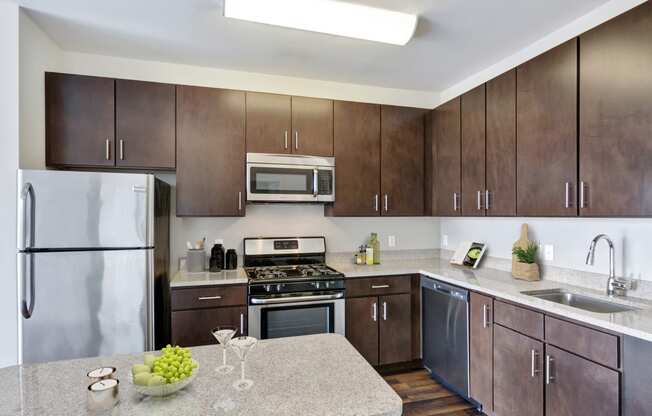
x,y
500,197
312,126
402,161
210,152
80,121
616,116
357,155
546,123
446,139
269,123
145,124
473,152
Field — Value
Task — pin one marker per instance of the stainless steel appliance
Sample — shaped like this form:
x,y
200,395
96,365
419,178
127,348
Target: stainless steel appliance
x,y
290,178
445,337
87,275
291,289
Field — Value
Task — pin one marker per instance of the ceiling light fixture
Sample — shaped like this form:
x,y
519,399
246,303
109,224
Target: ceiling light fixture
x,y
327,16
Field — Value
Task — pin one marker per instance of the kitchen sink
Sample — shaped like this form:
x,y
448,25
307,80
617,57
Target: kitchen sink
x,y
579,301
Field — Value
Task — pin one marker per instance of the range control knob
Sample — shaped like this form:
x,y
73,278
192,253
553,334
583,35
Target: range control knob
x,y
267,288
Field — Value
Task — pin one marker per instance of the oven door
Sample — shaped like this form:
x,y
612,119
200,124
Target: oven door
x,y
294,318
293,183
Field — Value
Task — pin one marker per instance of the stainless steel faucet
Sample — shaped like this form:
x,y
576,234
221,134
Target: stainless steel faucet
x,y
615,286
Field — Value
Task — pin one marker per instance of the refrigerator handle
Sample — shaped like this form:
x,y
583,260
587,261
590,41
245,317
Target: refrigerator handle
x,y
28,219
26,310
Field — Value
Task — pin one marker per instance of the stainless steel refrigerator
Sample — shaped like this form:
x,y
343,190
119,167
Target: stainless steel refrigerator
x,y
93,250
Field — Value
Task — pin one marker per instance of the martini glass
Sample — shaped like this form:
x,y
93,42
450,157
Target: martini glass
x,y
223,335
242,346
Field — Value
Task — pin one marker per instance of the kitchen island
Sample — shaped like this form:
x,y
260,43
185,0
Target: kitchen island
x,y
308,375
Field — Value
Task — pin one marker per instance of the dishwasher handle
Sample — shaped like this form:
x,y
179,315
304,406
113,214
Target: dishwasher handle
x,y
444,289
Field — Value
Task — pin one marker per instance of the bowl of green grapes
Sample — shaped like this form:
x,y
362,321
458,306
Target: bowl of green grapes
x,y
165,374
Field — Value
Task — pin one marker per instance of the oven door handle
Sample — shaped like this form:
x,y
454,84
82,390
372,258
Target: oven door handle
x,y
263,301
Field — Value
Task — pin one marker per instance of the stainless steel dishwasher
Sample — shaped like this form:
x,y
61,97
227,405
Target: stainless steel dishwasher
x,y
445,335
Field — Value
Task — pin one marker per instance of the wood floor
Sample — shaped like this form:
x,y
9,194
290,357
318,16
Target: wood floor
x,y
423,396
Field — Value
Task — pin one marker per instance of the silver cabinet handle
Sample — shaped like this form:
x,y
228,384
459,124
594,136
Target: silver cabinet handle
x,y
386,203
384,311
486,200
240,201
107,149
315,184
485,316
286,140
242,324
296,139
376,202
209,297
454,201
479,200
122,149
549,377
582,196
534,370
568,202
379,286
374,312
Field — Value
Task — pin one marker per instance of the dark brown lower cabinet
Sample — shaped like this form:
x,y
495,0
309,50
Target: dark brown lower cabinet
x,y
576,386
191,328
381,327
362,326
518,375
395,328
481,350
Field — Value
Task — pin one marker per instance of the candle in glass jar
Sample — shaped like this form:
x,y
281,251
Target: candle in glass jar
x,y
102,373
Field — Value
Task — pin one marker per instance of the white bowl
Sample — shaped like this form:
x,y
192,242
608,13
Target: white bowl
x,y
165,389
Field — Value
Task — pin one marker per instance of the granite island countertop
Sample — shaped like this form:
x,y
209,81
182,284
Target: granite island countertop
x,y
501,284
308,375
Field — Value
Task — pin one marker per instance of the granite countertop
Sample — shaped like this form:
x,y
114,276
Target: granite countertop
x,y
501,284
308,375
225,277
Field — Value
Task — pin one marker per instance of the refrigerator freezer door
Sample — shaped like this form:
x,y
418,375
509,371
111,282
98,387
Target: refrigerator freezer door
x,y
85,304
84,210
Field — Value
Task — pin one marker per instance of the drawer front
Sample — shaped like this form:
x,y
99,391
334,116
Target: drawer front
x,y
519,319
589,343
192,328
378,286
208,297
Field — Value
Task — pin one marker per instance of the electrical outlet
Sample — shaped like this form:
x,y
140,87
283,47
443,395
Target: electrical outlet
x,y
548,252
391,241
444,240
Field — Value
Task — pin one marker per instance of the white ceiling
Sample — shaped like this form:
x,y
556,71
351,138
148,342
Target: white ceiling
x,y
454,38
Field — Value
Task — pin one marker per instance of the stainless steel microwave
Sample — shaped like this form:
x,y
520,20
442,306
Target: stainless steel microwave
x,y
290,178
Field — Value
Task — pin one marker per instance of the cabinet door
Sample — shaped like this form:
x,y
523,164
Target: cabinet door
x,y
402,160
481,350
447,139
210,152
547,133
269,122
312,126
575,386
357,155
616,116
518,379
473,152
501,145
145,123
395,312
362,326
193,327
80,121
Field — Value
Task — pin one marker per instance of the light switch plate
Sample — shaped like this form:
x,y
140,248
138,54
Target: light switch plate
x,y
548,252
444,240
391,241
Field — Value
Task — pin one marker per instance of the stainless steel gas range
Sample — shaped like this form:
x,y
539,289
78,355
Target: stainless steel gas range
x,y
291,289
